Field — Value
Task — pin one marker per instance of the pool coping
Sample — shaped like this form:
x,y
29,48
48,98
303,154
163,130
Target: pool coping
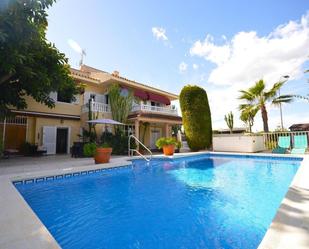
x,y
23,229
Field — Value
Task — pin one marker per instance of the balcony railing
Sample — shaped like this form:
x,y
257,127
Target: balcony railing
x,y
96,107
154,109
105,108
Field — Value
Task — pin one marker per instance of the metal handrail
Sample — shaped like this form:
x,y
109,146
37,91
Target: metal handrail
x,y
131,151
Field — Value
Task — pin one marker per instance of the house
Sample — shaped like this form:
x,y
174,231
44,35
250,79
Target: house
x,y
299,127
56,129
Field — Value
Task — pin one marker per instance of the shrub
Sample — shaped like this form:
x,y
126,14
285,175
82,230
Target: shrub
x,y
165,141
28,149
118,141
196,117
89,149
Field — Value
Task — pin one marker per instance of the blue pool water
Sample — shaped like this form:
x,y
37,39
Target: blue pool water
x,y
197,202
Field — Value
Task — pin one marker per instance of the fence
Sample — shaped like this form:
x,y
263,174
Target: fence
x,y
271,138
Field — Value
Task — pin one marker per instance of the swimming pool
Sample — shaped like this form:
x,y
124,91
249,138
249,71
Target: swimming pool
x,y
195,202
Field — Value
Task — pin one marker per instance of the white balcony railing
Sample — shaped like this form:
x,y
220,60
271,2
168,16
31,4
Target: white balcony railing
x,y
154,109
105,108
96,107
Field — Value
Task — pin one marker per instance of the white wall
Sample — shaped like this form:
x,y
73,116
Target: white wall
x,y
238,143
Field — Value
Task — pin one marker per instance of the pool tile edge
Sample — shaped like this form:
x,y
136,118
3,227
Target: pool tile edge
x,y
21,228
290,226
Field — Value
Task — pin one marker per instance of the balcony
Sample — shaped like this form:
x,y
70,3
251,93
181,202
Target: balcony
x,y
104,108
96,107
154,109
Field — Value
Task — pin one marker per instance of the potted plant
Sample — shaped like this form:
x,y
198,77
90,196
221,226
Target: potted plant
x,y
103,153
168,144
178,146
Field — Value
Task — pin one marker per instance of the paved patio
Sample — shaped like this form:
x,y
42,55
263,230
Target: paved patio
x,y
21,164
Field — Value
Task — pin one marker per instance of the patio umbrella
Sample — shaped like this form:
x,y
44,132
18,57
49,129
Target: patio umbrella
x,y
104,121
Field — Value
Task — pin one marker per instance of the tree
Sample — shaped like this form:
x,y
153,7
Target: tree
x,y
29,64
257,97
196,117
121,101
247,115
229,120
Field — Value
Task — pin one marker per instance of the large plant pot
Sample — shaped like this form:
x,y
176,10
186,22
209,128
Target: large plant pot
x,y
169,150
102,155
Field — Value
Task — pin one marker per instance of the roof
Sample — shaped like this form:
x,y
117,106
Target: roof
x,y
154,116
94,75
299,127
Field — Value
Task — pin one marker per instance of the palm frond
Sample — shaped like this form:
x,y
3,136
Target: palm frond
x,y
246,95
283,99
258,88
302,97
273,91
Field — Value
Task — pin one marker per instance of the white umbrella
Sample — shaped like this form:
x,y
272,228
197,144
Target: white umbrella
x,y
104,121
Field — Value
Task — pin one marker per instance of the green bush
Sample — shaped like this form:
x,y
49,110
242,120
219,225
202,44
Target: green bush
x,y
196,117
89,149
165,141
118,141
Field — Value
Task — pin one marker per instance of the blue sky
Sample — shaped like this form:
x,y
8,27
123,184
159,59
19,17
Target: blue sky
x,y
223,46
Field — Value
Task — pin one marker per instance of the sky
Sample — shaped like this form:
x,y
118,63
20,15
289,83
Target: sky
x,y
222,46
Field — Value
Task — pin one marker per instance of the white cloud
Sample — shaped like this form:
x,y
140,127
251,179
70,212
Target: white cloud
x,y
183,67
159,33
195,66
248,57
75,46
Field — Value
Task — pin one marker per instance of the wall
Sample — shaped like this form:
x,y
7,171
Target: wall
x,y
60,108
238,143
40,122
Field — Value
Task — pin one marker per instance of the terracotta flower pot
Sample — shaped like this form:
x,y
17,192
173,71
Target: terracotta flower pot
x,y
168,150
102,155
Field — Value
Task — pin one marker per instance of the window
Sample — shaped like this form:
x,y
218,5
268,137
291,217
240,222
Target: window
x,y
92,97
106,99
62,97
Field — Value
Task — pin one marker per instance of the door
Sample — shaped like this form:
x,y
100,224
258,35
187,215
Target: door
x,y
62,140
155,134
49,139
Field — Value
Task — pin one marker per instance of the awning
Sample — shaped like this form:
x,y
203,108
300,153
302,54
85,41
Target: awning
x,y
158,98
104,121
141,94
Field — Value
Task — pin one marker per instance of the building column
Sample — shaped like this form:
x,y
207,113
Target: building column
x,y
137,132
166,126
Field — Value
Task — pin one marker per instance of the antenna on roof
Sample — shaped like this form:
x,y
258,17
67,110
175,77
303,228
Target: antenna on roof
x,y
83,53
77,48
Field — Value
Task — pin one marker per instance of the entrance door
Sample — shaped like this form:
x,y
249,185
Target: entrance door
x,y
62,140
156,133
49,139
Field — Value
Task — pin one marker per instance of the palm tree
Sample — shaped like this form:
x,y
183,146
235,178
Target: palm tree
x,y
256,97
247,115
121,101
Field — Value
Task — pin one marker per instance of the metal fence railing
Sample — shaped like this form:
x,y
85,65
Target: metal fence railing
x,y
271,138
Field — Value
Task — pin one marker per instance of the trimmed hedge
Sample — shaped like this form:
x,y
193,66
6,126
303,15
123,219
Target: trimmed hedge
x,y
196,117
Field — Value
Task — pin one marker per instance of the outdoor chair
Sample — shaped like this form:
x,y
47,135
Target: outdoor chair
x,y
300,144
284,143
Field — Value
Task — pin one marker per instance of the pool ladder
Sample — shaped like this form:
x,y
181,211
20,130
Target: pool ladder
x,y
131,151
